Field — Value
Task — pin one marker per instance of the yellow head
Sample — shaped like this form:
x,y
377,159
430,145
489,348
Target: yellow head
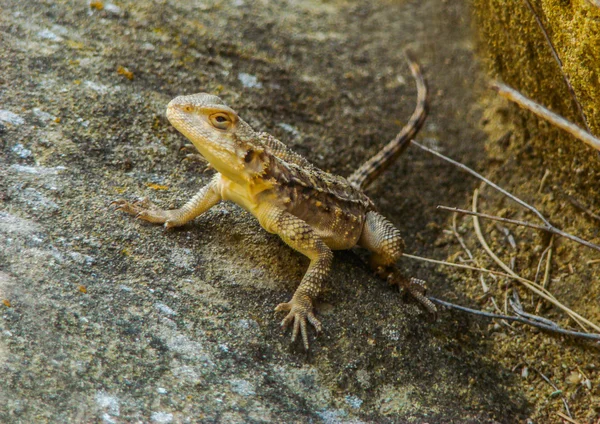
x,y
230,145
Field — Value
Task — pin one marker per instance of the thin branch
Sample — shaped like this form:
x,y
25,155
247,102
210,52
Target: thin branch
x,y
560,65
540,291
484,285
550,328
550,229
546,295
542,112
513,197
482,178
517,307
495,218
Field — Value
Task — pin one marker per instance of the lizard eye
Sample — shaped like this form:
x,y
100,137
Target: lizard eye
x,y
221,121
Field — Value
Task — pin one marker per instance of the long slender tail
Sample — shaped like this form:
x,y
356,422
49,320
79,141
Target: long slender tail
x,y
371,169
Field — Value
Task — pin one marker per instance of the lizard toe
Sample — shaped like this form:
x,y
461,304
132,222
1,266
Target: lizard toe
x,y
299,313
283,307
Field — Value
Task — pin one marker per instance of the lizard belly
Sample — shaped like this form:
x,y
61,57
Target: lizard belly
x,y
243,195
339,230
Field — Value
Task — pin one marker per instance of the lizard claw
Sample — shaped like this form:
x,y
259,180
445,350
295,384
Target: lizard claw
x,y
417,289
188,147
299,312
145,210
136,208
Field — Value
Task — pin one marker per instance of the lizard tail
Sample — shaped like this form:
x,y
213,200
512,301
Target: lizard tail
x,y
371,169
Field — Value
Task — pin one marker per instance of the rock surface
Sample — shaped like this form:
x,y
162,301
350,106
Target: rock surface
x,y
106,319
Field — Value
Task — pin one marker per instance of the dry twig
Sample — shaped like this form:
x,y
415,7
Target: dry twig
x,y
555,119
517,307
560,65
537,289
566,418
501,274
554,328
494,218
548,227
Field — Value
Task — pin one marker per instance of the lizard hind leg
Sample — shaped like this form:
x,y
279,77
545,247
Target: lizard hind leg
x,y
386,245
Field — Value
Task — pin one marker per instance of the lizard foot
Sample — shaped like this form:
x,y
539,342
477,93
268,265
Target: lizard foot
x,y
143,209
417,289
300,310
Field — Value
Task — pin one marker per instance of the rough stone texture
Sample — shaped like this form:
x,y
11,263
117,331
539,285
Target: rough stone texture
x,y
518,54
106,319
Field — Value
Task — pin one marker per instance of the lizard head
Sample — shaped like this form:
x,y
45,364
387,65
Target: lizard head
x,y
230,145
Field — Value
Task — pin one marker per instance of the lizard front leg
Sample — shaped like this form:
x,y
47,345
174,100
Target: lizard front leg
x,y
207,197
301,237
385,242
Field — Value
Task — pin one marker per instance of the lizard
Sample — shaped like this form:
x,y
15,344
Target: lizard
x,y
312,211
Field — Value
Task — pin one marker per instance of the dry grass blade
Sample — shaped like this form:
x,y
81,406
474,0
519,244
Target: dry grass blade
x,y
488,271
553,328
549,227
559,62
555,119
459,238
484,285
469,267
564,417
495,218
539,266
546,272
547,380
540,291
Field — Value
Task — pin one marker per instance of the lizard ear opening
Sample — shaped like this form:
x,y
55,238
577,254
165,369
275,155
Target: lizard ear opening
x,y
221,120
254,161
